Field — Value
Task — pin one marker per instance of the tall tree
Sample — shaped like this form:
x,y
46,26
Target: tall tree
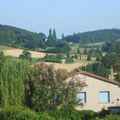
x,y
54,36
50,39
63,36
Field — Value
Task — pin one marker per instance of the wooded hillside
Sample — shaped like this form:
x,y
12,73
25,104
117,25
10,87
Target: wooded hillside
x,y
94,36
21,38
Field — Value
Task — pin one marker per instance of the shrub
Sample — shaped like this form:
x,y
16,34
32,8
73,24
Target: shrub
x,y
110,117
52,58
72,114
15,113
45,116
53,50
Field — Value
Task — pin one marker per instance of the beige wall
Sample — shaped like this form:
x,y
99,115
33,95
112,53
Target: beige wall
x,y
92,93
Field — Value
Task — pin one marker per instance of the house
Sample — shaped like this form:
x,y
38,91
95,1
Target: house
x,y
63,61
100,93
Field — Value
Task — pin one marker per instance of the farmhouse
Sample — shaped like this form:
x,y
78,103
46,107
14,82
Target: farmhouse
x,y
100,93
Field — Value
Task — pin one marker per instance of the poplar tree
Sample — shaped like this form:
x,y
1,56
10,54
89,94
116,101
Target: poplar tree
x,y
50,39
54,37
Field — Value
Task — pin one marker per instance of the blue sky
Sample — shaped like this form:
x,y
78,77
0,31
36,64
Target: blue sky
x,y
66,16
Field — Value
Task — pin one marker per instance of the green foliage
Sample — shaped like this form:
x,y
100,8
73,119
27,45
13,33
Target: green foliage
x,y
110,117
76,56
88,57
60,47
52,38
1,53
53,50
111,60
96,68
25,55
12,78
50,41
69,59
94,36
21,38
102,67
112,46
52,58
47,88
19,113
85,51
72,114
117,76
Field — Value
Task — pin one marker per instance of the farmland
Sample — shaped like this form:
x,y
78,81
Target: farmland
x,y
68,67
10,51
13,52
17,52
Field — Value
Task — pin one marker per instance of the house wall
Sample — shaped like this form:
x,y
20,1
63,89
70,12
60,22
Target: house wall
x,y
94,86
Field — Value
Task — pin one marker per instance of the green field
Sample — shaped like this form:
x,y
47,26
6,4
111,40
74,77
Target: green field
x,y
4,47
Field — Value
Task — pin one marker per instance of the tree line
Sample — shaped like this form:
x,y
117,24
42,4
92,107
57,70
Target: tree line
x,y
94,36
21,38
105,62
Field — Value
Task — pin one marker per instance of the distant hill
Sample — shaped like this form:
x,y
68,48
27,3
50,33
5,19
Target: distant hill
x,y
94,36
21,38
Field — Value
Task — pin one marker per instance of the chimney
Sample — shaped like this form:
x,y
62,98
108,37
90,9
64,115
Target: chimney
x,y
111,75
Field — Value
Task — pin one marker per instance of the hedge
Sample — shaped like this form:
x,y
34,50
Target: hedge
x,y
19,113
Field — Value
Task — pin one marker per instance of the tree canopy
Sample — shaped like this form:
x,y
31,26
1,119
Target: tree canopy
x,y
94,36
21,38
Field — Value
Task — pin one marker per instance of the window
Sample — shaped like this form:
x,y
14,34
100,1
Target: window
x,y
104,96
81,96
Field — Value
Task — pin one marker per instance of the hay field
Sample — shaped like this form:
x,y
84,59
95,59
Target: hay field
x,y
69,67
17,52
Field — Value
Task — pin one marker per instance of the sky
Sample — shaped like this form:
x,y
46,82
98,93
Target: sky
x,y
66,16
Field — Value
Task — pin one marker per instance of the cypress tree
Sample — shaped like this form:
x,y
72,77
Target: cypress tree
x,y
50,39
54,37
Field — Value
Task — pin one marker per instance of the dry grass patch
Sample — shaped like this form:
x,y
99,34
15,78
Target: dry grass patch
x,y
17,52
68,67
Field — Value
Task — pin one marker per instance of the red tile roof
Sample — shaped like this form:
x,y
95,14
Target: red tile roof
x,y
95,76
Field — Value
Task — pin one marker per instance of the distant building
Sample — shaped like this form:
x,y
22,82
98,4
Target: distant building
x,y
100,92
63,61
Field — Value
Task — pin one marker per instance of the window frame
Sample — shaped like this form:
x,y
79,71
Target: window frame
x,y
85,97
108,97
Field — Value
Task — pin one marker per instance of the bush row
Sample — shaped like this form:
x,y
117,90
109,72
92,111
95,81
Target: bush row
x,y
15,113
20,113
110,117
72,114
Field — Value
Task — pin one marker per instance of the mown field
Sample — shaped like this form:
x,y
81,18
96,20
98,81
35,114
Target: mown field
x,y
17,52
10,51
69,67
